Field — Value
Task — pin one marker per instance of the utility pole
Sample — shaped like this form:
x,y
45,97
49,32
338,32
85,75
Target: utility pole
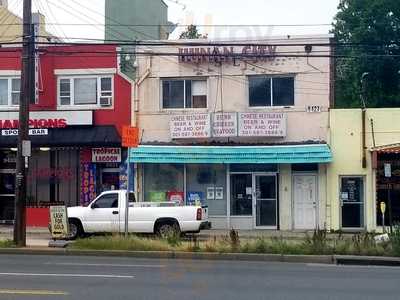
x,y
24,146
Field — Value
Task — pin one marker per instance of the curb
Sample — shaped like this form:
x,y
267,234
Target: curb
x,y
366,260
307,259
322,259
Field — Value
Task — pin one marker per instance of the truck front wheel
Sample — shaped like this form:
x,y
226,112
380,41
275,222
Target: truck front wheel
x,y
75,229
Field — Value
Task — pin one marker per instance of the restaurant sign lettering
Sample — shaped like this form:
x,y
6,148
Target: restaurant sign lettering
x,y
228,124
218,54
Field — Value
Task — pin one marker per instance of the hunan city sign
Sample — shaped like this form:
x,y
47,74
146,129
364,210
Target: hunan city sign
x,y
217,54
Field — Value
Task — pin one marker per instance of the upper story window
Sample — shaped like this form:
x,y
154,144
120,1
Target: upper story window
x,y
185,93
85,90
10,90
271,91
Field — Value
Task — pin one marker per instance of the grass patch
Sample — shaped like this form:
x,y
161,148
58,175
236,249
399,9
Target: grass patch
x,y
316,244
7,244
132,243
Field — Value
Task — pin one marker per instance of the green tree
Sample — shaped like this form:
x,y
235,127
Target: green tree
x,y
192,32
368,35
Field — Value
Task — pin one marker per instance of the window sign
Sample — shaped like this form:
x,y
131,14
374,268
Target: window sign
x,y
190,126
195,198
210,193
224,125
219,193
262,124
88,183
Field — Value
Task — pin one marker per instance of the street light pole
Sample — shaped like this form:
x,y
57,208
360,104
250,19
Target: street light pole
x,y
24,148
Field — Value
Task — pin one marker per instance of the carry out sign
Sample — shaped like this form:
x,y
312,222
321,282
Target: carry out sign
x,y
59,222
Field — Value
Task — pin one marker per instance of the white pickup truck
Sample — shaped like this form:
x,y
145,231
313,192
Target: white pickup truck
x,y
106,213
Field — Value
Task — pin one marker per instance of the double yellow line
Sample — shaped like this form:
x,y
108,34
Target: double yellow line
x,y
32,292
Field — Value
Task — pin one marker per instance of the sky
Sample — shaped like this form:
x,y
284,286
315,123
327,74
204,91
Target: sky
x,y
211,12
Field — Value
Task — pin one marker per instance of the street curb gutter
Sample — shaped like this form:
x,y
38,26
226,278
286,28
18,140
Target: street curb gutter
x,y
366,260
320,259
307,259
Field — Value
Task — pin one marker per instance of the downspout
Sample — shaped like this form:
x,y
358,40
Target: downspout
x,y
363,119
135,123
364,148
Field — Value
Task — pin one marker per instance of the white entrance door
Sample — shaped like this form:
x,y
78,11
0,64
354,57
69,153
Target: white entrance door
x,y
305,201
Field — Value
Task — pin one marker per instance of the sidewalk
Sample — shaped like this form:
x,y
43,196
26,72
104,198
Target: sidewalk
x,y
35,236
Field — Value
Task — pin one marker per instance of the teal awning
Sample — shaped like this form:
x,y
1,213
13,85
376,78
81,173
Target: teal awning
x,y
293,154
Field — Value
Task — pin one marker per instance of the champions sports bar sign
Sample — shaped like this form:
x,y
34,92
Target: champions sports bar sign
x,y
40,122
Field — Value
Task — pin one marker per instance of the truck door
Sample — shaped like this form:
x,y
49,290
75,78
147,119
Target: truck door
x,y
104,215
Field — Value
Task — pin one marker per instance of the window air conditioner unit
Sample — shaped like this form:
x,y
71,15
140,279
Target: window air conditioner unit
x,y
105,101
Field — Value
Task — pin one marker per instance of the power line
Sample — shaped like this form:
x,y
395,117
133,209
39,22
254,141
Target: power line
x,y
181,25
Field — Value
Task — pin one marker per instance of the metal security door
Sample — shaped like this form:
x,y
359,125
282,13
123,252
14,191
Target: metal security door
x,y
305,201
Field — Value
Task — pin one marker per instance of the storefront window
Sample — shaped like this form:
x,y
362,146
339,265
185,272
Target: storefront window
x,y
163,182
207,183
241,194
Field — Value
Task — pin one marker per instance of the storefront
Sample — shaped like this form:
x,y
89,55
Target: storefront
x,y
366,169
70,163
237,128
244,187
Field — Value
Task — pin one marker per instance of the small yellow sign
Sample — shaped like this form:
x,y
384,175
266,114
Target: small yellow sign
x,y
383,207
59,222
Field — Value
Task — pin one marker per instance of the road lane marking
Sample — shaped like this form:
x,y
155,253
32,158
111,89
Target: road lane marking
x,y
68,275
33,292
105,265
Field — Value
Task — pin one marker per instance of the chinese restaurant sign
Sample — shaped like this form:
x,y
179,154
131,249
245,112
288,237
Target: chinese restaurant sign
x,y
190,126
193,126
262,124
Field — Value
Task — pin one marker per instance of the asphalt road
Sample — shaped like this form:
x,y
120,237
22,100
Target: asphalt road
x,y
69,277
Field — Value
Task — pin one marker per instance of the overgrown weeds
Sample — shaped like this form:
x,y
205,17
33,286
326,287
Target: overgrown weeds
x,y
318,244
395,240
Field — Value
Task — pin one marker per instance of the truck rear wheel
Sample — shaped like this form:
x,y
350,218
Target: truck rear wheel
x,y
75,229
166,229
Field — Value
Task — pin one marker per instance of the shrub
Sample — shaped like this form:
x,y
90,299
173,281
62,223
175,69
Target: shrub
x,y
317,243
234,240
395,240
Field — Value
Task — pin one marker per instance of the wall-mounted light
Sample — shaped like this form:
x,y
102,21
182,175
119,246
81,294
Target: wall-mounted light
x,y
45,149
14,149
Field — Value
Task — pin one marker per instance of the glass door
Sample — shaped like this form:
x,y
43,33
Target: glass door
x,y
7,195
265,198
352,201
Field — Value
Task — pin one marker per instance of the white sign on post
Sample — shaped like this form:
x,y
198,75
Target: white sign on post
x,y
224,125
59,222
388,170
262,124
190,126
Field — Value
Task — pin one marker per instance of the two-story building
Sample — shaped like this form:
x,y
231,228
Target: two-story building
x,y
240,126
75,122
